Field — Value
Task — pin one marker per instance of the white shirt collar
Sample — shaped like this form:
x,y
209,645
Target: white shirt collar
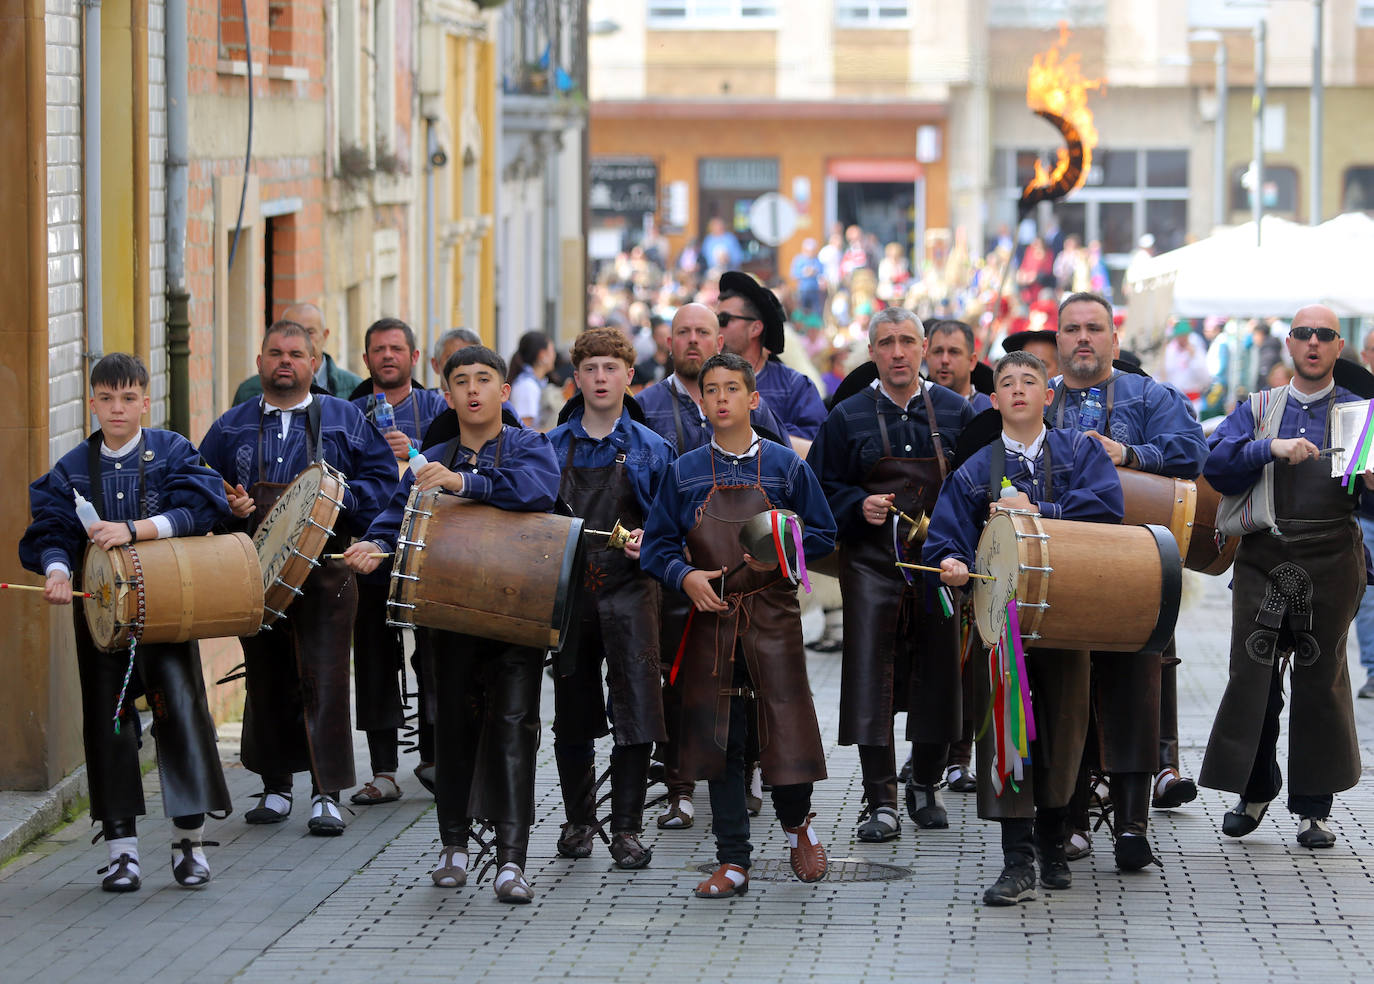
x,y
286,413
123,449
1321,394
877,384
736,458
676,385
1030,451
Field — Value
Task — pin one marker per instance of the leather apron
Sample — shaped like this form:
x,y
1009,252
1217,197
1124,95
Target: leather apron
x,y
295,711
763,624
900,652
169,676
1125,686
1294,593
620,619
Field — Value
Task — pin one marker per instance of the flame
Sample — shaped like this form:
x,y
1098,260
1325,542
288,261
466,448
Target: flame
x,y
1056,85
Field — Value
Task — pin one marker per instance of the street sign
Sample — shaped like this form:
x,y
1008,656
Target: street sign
x,y
772,218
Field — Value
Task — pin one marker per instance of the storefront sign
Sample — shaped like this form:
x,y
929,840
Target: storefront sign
x,y
623,187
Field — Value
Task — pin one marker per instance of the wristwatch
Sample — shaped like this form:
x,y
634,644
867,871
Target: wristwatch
x,y
133,530
1128,458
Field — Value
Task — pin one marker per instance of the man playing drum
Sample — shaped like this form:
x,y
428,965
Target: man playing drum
x,y
295,716
391,358
886,448
486,726
1146,426
1299,575
612,469
1058,474
149,484
744,637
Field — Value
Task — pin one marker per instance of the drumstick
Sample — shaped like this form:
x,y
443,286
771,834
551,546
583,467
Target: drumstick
x,y
1324,452
938,570
31,587
374,556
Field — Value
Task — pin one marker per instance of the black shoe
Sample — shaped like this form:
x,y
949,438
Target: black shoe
x,y
879,826
1133,853
262,813
325,818
904,773
123,875
960,779
1313,832
926,808
188,872
1016,884
1054,866
1172,790
1243,818
824,645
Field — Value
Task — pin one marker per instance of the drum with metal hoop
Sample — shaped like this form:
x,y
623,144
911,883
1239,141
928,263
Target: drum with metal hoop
x,y
172,590
1162,501
1204,554
293,534
1078,585
478,570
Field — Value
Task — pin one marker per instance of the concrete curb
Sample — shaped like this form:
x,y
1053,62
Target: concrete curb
x,y
26,816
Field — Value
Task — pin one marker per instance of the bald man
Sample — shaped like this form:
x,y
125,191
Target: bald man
x,y
331,378
1299,574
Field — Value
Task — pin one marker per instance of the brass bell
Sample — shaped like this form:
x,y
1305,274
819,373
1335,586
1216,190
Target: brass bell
x,y
616,538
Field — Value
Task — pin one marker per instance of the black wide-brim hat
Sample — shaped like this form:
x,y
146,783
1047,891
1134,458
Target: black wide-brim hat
x,y
1016,342
764,301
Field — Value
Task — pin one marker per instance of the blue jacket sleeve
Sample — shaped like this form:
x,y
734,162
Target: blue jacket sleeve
x,y
192,495
959,515
55,535
1236,459
1093,494
527,479
661,554
807,412
1174,442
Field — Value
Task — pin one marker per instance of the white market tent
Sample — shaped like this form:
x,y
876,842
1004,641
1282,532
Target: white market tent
x,y
1227,275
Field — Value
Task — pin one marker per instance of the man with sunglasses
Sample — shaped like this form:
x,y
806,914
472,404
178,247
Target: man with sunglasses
x,y
1298,579
751,324
1150,427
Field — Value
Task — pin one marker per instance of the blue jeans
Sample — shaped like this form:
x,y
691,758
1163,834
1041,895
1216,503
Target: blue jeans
x,y
1364,618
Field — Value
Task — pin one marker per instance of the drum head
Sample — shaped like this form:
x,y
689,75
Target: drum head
x,y
98,578
998,555
285,523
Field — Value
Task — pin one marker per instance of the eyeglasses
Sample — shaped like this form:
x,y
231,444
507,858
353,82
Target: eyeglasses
x,y
723,318
1302,333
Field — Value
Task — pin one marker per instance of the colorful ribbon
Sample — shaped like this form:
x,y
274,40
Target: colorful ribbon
x,y
1012,716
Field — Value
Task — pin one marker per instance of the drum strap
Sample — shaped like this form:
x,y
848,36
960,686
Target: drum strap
x,y
96,468
1056,412
930,422
997,470
314,435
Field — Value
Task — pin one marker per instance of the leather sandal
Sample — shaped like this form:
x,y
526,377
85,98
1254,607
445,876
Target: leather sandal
x,y
424,772
262,813
187,869
879,826
514,889
450,875
576,840
123,875
372,794
809,862
721,886
676,818
629,851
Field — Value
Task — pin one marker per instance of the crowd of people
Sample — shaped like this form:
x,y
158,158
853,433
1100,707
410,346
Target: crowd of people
x,y
731,477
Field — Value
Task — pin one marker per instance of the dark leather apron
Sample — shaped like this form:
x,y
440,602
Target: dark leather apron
x,y
169,676
1294,593
764,624
620,616
900,652
295,712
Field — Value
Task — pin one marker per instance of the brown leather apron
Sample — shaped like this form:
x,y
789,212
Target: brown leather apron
x,y
620,619
900,652
764,625
1297,592
295,712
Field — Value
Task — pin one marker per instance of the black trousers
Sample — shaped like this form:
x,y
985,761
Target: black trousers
x,y
1265,777
729,814
377,660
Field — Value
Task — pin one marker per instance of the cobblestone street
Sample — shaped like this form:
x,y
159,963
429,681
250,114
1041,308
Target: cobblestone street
x,y
285,906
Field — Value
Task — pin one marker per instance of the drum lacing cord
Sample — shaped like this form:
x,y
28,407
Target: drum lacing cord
x,y
134,635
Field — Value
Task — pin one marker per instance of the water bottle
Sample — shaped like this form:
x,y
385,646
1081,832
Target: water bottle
x,y
416,460
1090,411
1009,491
85,512
383,415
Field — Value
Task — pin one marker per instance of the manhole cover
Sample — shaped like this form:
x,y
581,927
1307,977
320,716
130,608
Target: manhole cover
x,y
840,870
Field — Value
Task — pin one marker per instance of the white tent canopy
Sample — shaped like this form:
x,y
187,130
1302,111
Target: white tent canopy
x,y
1228,275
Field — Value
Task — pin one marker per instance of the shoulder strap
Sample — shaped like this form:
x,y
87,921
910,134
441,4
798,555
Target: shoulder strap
x,y
1056,410
314,432
997,469
934,431
93,471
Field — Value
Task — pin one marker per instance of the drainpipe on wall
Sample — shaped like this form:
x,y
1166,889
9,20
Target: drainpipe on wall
x,y
178,298
90,102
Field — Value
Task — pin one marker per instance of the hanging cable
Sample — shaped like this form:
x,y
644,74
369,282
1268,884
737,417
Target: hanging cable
x,y
248,150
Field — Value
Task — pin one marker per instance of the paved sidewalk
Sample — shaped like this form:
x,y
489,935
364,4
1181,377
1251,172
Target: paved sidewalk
x,y
288,907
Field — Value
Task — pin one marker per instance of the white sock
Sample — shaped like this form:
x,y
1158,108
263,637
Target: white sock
x,y
792,836
124,845
756,783
276,803
460,858
324,806
685,807
738,878
508,873
195,837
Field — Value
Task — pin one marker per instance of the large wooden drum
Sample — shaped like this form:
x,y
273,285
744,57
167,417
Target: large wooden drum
x,y
1203,554
174,590
1160,501
1078,585
293,534
478,570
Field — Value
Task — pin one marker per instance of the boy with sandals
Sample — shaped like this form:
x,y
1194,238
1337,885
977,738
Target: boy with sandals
x,y
744,639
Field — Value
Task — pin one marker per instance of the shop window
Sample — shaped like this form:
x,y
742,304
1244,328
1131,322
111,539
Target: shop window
x,y
874,13
1115,168
1166,169
714,14
728,187
1167,221
1280,189
1357,193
